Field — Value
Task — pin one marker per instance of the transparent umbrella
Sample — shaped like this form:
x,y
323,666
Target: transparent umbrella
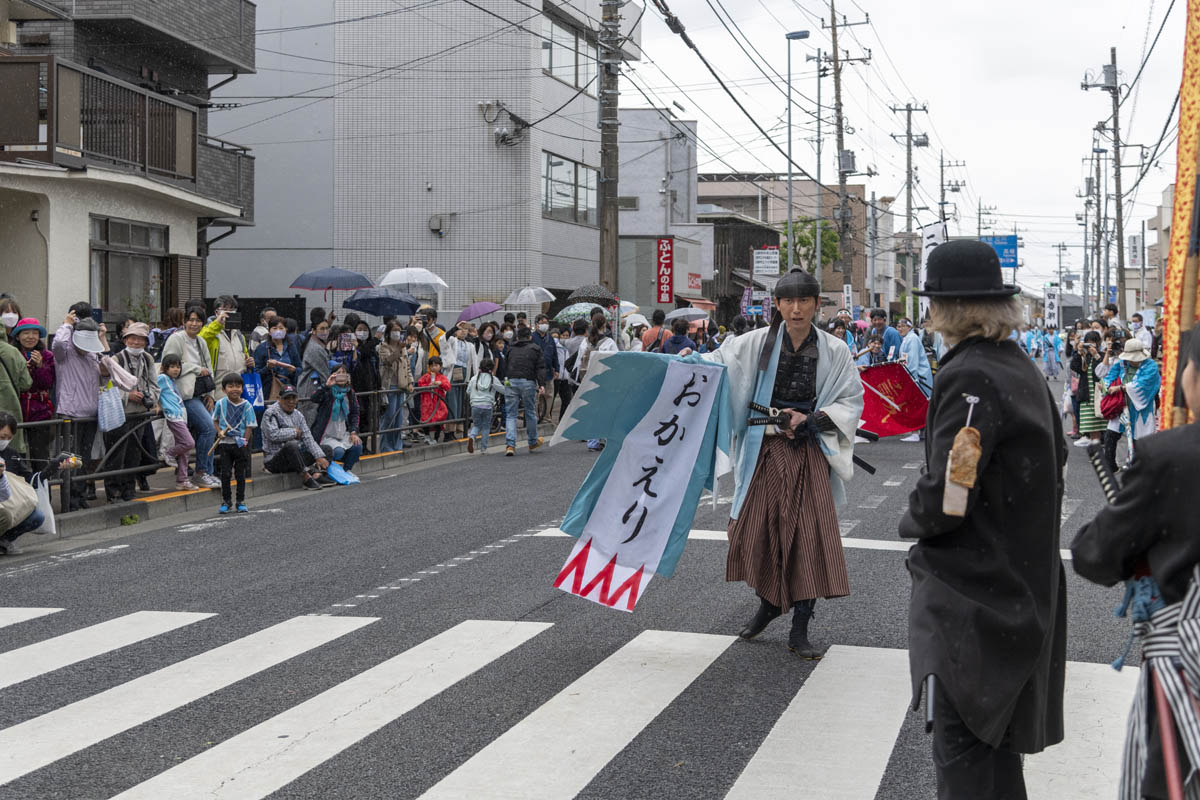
x,y
529,296
414,280
690,314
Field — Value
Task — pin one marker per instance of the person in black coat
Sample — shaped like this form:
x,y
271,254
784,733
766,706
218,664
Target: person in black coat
x,y
1152,525
988,611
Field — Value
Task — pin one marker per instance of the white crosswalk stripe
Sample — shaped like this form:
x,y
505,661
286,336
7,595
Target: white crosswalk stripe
x,y
834,740
557,750
11,616
70,648
845,718
271,755
59,733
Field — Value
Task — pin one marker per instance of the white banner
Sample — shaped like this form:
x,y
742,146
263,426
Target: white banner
x,y
931,237
1052,308
848,296
625,536
766,262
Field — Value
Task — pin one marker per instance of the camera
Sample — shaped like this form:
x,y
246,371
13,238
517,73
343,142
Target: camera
x,y
233,321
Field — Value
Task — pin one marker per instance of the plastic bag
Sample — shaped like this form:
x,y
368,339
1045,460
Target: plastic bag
x,y
45,506
110,412
337,472
252,389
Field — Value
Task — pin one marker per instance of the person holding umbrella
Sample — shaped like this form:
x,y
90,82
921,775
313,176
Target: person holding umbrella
x,y
987,617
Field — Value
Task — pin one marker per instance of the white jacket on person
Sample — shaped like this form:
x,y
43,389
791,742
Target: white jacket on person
x,y
451,346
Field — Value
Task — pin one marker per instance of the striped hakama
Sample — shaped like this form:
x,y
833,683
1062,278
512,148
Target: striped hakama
x,y
1089,420
786,544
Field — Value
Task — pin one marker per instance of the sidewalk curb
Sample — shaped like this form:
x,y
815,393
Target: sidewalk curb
x,y
261,484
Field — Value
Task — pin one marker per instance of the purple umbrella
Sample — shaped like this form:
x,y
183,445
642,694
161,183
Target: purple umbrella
x,y
477,310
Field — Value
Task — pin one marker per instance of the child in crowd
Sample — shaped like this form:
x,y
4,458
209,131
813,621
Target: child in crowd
x,y
433,404
175,416
872,354
233,418
481,394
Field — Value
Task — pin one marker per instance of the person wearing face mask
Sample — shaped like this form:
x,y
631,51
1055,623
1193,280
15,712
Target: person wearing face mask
x,y
19,513
10,315
336,422
15,376
550,363
227,350
396,375
314,367
364,374
37,402
77,346
197,386
124,451
461,363
1137,327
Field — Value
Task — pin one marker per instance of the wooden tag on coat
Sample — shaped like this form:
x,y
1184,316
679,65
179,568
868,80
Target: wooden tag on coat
x,y
961,471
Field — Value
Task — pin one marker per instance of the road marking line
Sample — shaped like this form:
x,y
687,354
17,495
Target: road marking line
x,y
70,648
848,714
914,465
864,544
11,616
873,501
559,748
1069,507
271,755
1087,763
897,481
43,740
847,525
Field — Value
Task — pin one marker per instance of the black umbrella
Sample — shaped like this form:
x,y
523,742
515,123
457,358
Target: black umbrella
x,y
331,278
383,301
595,293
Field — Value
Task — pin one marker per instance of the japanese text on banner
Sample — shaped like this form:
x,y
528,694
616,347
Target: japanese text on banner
x,y
628,530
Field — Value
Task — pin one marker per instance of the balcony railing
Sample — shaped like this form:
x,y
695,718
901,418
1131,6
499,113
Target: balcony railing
x,y
62,113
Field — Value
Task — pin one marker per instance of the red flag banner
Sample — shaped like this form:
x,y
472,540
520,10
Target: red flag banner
x,y
892,402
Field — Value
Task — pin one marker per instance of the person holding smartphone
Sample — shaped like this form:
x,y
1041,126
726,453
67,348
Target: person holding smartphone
x,y
1083,366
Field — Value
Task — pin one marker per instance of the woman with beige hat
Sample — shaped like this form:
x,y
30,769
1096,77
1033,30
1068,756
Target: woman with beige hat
x,y
1134,373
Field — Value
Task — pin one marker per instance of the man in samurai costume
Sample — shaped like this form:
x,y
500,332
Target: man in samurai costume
x,y
796,399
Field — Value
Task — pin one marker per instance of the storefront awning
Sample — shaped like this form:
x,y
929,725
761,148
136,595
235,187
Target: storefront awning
x,y
701,303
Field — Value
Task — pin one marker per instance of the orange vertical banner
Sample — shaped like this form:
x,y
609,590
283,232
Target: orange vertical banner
x,y
1174,290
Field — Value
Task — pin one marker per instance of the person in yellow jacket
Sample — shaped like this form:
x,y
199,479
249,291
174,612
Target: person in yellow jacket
x,y
227,350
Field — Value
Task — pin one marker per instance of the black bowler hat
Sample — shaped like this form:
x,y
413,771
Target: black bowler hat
x,y
965,268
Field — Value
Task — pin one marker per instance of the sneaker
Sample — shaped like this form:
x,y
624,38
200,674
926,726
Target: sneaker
x,y
1082,442
224,509
324,480
535,445
10,549
185,486
471,445
510,451
310,483
207,481
241,508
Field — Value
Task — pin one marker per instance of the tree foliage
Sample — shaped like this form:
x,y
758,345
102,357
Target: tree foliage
x,y
805,245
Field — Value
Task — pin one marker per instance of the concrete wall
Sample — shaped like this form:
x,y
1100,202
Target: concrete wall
x,y
293,165
65,212
23,251
637,269
656,161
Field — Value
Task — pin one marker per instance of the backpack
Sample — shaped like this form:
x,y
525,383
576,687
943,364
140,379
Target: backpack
x,y
656,345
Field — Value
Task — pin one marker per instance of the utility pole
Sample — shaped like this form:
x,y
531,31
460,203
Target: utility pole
x,y
872,251
923,141
610,71
953,186
1101,290
1115,90
1061,247
1110,83
820,189
979,218
844,159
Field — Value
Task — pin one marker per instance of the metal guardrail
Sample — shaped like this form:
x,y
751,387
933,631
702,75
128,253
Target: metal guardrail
x,y
63,435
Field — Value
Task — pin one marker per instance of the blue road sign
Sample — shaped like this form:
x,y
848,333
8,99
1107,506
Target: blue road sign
x,y
1005,247
1112,294
754,311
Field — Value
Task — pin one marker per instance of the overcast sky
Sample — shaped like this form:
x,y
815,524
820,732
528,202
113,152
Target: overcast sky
x,y
1002,84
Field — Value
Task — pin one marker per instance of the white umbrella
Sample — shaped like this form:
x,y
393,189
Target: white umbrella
x,y
414,280
633,320
628,307
690,314
529,296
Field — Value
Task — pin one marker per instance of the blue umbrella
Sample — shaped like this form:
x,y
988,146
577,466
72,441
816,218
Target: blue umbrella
x,y
382,301
331,278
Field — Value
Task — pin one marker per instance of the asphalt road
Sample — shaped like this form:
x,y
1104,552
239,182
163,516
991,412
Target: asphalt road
x,y
397,566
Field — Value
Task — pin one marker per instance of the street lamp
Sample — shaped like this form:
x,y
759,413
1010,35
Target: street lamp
x,y
791,233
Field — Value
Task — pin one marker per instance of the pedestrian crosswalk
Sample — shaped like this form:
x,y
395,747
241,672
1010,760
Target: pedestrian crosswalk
x,y
835,739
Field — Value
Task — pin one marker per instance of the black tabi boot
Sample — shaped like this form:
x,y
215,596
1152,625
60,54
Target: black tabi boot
x,y
798,641
766,612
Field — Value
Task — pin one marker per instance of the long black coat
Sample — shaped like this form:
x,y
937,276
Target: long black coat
x,y
1153,520
989,604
